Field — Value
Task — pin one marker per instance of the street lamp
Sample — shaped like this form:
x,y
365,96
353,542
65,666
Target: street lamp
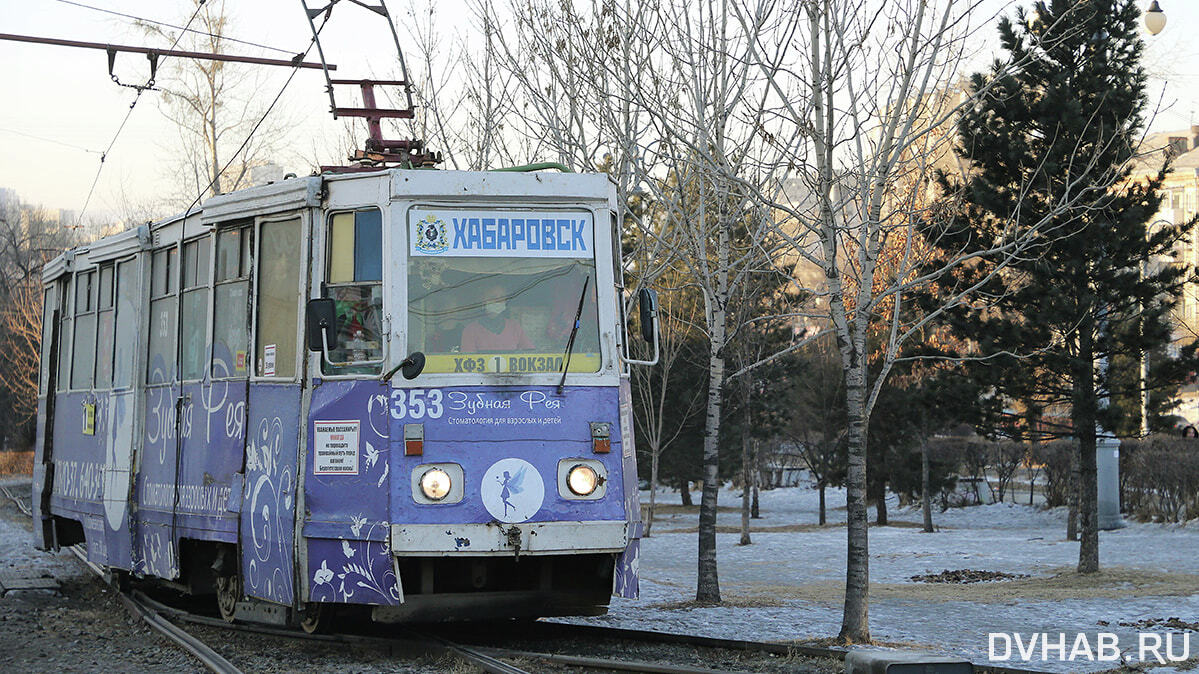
x,y
1155,18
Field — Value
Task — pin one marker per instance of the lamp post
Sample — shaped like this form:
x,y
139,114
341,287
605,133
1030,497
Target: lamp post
x,y
1155,18
1107,449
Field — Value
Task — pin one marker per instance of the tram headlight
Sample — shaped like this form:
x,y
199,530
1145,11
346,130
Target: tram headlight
x,y
582,480
435,484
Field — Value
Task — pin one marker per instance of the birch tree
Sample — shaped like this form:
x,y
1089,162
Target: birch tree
x,y
853,109
664,406
214,107
669,91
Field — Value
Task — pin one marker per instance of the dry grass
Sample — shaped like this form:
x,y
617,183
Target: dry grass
x,y
1111,583
780,529
726,602
16,463
671,508
1128,668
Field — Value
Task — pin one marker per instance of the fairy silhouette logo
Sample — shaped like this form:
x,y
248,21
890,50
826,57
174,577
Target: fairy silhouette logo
x,y
512,490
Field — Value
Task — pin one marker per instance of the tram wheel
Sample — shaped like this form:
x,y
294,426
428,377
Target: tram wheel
x,y
316,618
228,593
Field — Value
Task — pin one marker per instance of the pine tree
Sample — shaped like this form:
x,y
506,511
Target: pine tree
x,y
1069,115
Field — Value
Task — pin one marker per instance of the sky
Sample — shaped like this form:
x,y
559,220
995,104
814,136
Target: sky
x,y
62,110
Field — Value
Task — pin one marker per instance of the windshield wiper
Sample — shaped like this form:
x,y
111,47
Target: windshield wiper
x,y
570,343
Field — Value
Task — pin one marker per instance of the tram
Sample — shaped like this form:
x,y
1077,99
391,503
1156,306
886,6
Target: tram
x,y
398,390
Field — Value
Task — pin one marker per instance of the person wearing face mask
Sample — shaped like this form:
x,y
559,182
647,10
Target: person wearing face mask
x,y
494,331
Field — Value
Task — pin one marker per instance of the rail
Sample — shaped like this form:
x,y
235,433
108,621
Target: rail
x,y
214,661
488,658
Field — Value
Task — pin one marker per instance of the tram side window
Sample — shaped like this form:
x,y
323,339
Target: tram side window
x,y
278,298
49,304
197,262
84,345
64,333
354,281
104,331
160,366
127,299
231,299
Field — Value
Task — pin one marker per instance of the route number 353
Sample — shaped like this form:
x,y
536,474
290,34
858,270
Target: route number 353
x,y
416,404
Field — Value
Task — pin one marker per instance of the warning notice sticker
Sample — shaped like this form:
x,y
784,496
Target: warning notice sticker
x,y
335,447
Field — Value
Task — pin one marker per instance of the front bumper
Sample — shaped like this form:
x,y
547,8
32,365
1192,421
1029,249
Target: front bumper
x,y
526,538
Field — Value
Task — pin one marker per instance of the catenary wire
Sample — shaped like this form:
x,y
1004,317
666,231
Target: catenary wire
x,y
257,124
136,98
50,140
171,25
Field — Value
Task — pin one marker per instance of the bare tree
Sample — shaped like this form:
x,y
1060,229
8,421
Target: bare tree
x,y
1005,458
666,91
853,108
28,237
20,349
215,108
660,418
817,423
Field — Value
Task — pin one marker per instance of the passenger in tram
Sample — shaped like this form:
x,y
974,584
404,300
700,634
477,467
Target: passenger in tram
x,y
494,331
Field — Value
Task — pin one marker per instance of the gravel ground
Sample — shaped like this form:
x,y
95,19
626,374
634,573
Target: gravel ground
x,y
82,627
662,654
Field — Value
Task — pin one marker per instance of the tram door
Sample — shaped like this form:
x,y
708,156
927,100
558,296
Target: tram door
x,y
43,475
157,552
117,341
273,411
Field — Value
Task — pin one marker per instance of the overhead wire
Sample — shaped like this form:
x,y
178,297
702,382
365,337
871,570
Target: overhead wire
x,y
257,124
171,25
50,140
128,113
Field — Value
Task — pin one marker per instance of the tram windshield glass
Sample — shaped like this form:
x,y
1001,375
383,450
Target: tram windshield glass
x,y
487,312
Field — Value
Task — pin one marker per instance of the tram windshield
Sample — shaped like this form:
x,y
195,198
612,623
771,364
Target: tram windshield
x,y
505,313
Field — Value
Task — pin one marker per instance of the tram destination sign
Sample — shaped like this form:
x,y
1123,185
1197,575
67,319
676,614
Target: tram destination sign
x,y
499,233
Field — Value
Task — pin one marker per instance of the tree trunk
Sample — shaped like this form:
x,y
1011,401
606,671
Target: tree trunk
x,y
745,473
880,504
655,453
1072,501
855,627
754,511
823,514
1084,418
685,491
707,583
1088,505
926,501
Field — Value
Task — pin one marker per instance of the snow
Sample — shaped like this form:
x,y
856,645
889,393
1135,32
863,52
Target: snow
x,y
18,557
788,583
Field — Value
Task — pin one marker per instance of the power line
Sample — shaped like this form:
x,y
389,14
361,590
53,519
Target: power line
x,y
50,140
257,124
136,98
171,25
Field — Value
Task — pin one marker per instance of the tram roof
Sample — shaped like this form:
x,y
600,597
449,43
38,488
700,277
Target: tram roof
x,y
308,191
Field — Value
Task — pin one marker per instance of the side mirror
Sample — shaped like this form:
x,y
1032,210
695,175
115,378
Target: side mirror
x,y
410,367
648,299
321,317
413,365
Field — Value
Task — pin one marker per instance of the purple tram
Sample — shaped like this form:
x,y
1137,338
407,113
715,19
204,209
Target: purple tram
x,y
401,390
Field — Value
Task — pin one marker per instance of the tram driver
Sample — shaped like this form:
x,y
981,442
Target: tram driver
x,y
494,330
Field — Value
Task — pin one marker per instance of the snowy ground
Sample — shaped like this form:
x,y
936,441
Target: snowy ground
x,y
789,583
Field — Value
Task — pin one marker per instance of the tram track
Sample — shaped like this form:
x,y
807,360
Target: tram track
x,y
478,649
207,656
154,614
